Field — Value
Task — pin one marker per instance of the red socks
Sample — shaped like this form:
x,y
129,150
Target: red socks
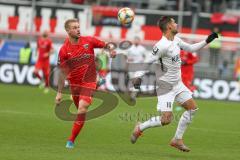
x,y
37,75
77,126
46,76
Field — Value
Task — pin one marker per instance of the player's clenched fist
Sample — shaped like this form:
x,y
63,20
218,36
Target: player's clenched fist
x,y
211,37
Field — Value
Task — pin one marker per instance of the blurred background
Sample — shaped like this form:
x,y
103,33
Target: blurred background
x,y
21,22
30,125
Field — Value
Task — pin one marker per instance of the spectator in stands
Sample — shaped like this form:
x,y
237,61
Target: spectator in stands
x,y
215,48
223,69
216,5
237,70
77,2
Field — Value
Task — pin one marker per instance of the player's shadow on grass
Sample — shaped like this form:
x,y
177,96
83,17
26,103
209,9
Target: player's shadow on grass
x,y
109,103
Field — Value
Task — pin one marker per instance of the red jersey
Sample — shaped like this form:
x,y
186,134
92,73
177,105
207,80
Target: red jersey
x,y
44,46
78,60
187,68
188,60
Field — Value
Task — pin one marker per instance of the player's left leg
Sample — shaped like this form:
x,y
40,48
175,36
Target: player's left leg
x,y
37,68
186,101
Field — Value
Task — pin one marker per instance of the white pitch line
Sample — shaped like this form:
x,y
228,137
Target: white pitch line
x,y
213,130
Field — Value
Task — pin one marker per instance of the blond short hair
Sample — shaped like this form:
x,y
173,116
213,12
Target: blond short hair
x,y
67,22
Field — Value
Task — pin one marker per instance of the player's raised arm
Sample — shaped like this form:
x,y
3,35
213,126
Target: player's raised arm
x,y
196,46
107,46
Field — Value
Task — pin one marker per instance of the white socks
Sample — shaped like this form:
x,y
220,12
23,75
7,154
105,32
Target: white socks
x,y
152,122
184,121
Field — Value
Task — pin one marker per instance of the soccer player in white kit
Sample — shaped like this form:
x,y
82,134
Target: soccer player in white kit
x,y
166,53
135,54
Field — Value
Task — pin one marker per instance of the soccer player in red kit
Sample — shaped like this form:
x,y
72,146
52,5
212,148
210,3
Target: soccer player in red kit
x,y
187,68
44,49
77,63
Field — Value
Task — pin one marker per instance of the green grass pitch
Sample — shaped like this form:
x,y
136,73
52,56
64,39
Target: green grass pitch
x,y
29,129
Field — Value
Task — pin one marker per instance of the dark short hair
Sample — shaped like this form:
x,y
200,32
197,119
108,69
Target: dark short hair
x,y
163,22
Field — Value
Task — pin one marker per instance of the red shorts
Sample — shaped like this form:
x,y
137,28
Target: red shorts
x,y
82,91
43,65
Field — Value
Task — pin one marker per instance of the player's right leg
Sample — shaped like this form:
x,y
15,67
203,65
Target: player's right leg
x,y
164,106
157,121
36,73
37,68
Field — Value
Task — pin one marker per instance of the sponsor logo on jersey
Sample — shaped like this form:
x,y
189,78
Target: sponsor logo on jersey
x,y
176,58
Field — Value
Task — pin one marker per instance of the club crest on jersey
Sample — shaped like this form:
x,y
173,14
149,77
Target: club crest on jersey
x,y
155,50
86,46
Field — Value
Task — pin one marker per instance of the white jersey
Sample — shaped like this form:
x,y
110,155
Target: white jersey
x,y
136,54
166,53
169,52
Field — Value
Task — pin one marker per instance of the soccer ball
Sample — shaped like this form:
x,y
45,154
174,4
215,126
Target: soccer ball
x,y
125,15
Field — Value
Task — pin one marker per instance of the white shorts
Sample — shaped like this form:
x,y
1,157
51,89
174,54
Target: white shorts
x,y
179,93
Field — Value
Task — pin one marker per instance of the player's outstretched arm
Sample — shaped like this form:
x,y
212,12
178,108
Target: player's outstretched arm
x,y
195,47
